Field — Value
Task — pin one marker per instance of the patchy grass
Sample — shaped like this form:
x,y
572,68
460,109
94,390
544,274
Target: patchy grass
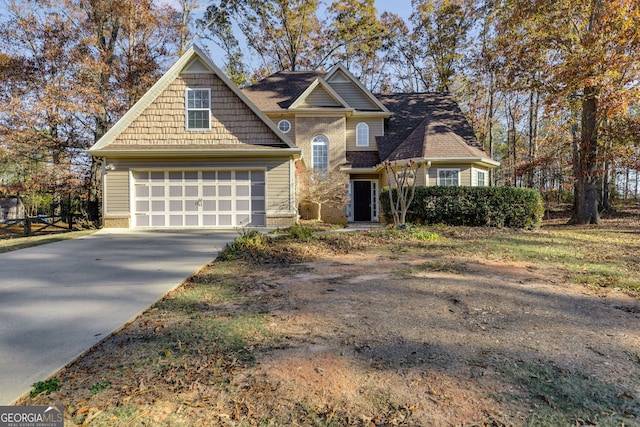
x,y
561,397
15,243
598,257
307,327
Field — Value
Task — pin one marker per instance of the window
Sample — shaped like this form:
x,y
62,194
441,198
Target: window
x,y
449,177
198,109
284,125
362,135
320,152
481,180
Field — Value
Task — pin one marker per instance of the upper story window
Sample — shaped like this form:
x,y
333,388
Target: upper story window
x,y
320,152
284,126
198,102
449,177
362,135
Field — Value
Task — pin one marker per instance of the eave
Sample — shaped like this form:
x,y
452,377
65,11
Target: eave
x,y
186,153
473,160
447,161
381,114
358,170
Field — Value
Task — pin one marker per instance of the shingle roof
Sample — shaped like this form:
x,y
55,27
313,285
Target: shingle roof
x,y
280,90
362,159
426,125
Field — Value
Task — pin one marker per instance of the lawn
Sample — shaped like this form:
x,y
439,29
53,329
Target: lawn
x,y
429,326
8,244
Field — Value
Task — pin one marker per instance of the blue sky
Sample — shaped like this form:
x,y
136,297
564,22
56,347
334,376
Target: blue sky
x,y
401,7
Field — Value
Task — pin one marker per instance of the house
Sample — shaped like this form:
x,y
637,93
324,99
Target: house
x,y
11,208
196,151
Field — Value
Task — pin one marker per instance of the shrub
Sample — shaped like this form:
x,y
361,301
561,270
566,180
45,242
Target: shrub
x,y
474,206
246,243
301,232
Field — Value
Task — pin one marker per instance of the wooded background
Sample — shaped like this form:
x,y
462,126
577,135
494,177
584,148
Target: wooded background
x,y
551,87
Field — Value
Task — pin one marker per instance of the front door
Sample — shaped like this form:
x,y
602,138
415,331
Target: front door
x,y
362,200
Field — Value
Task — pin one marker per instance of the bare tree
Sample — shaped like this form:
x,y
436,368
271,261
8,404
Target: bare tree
x,y
401,177
320,188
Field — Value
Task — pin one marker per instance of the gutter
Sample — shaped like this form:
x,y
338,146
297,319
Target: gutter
x,y
273,152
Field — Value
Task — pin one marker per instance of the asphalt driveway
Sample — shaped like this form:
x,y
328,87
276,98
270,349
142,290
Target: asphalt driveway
x,y
60,299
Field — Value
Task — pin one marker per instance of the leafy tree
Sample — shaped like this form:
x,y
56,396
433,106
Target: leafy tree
x,y
357,36
586,54
441,29
37,117
285,34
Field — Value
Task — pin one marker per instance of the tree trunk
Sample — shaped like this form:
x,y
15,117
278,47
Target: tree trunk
x,y
533,137
606,203
95,191
588,178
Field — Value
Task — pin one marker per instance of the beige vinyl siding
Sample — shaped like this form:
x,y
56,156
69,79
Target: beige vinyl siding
x,y
353,96
117,202
465,174
163,122
420,177
376,128
320,98
279,193
279,198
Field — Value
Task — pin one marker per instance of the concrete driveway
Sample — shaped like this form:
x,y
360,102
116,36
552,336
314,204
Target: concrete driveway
x,y
60,299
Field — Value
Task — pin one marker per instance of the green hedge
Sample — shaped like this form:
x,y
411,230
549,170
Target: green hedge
x,y
473,206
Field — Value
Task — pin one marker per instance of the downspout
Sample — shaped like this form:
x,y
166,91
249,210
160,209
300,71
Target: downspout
x,y
427,166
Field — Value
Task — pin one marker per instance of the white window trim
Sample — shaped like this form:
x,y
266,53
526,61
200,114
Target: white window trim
x,y
444,170
375,200
324,143
474,177
362,127
187,109
282,122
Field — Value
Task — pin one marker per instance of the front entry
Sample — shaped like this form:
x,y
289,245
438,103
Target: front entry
x,y
362,200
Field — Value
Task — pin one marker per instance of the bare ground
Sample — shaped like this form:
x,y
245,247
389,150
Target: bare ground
x,y
373,337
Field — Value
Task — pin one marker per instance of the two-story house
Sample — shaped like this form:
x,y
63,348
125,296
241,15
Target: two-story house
x,y
196,151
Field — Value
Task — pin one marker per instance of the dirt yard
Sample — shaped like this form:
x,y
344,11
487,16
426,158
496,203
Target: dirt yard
x,y
393,333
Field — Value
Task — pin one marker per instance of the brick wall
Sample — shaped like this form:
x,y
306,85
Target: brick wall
x,y
116,222
281,220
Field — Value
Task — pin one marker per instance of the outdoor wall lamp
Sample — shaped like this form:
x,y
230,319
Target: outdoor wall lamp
x,y
110,167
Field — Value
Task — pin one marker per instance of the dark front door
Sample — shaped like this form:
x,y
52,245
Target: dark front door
x,y
362,200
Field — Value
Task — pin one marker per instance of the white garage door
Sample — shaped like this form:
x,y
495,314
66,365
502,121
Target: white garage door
x,y
199,198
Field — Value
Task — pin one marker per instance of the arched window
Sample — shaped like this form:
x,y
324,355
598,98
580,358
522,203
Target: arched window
x,y
362,135
320,152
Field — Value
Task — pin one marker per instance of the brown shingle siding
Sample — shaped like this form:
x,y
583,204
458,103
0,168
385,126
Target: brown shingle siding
x,y
232,122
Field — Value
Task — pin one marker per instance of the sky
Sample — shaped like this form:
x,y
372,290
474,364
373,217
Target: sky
x,y
401,7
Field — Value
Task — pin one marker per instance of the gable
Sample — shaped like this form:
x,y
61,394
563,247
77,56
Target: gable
x,y
196,66
163,122
351,92
157,120
319,97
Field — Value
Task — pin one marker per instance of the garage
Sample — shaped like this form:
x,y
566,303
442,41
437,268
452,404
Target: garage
x,y
198,198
